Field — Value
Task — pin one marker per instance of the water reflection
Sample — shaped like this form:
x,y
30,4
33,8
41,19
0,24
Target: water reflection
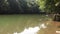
x,y
32,30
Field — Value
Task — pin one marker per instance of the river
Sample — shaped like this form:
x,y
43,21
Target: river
x,y
25,24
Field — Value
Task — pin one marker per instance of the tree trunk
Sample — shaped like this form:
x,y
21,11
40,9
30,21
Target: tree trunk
x,y
56,17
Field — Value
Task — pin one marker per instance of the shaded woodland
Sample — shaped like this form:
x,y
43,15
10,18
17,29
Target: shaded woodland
x,y
52,7
18,6
31,7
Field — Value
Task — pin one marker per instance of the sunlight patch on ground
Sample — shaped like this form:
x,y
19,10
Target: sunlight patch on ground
x,y
43,26
58,32
32,30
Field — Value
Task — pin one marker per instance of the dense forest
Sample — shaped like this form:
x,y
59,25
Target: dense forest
x,y
31,7
19,6
51,7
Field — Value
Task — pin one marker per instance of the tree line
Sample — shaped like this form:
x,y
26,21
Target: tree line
x,y
18,6
51,7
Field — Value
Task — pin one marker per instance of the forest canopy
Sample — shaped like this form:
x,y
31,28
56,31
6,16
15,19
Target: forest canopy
x,y
19,6
29,6
50,6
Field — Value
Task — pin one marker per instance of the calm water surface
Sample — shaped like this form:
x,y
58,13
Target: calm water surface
x,y
25,24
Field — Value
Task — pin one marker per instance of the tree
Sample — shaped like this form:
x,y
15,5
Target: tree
x,y
33,7
1,4
50,6
18,6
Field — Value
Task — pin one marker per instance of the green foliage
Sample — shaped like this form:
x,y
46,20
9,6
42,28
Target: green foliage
x,y
41,3
50,6
19,6
5,6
